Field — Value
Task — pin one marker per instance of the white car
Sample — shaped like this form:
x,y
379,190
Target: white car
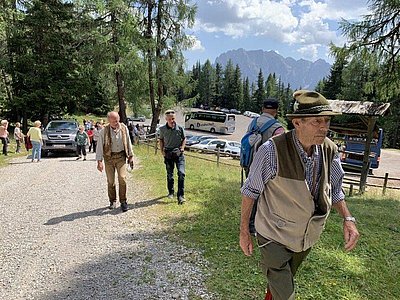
x,y
210,144
232,147
254,115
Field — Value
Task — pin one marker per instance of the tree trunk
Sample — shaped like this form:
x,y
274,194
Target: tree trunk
x,y
7,86
148,34
160,94
118,73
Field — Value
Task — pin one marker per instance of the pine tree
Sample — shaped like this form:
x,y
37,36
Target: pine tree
x,y
219,85
259,94
247,104
229,73
237,95
207,84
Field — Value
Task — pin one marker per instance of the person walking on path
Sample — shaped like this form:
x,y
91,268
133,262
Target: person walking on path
x,y
35,136
4,136
82,139
90,134
297,177
269,112
172,144
114,146
18,136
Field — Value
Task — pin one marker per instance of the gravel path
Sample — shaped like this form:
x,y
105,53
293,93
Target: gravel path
x,y
59,241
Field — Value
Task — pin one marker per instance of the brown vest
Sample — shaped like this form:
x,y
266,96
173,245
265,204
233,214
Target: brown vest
x,y
286,210
107,141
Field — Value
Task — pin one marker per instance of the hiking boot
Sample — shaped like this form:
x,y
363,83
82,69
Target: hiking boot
x,y
112,205
181,200
78,158
170,195
124,206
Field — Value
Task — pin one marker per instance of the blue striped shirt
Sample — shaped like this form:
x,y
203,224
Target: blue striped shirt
x,y
264,167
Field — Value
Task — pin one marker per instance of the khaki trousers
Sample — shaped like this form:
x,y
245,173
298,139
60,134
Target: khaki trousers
x,y
280,265
116,163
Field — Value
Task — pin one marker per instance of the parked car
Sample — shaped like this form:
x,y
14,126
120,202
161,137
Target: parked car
x,y
225,110
246,113
136,119
210,144
232,147
197,139
59,136
235,111
254,115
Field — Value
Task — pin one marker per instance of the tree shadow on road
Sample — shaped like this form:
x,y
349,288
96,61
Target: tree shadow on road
x,y
103,211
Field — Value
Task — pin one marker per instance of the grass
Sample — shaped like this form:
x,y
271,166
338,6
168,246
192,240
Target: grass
x,y
209,221
4,160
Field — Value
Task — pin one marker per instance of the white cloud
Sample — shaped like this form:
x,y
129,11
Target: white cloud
x,y
309,52
307,24
196,44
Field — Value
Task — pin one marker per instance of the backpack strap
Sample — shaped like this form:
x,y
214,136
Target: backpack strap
x,y
267,125
253,126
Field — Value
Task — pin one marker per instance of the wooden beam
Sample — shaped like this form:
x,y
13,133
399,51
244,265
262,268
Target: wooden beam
x,y
367,151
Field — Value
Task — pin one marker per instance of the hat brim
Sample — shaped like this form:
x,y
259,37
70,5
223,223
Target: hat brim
x,y
320,114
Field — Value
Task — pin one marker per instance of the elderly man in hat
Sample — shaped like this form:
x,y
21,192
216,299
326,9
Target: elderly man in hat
x,y
115,147
297,177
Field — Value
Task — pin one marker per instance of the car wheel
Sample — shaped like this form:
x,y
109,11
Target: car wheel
x,y
45,153
212,130
191,127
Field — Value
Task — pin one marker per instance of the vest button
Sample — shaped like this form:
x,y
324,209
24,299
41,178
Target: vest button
x,y
281,223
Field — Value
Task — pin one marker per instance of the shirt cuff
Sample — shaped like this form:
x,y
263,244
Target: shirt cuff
x,y
250,193
336,198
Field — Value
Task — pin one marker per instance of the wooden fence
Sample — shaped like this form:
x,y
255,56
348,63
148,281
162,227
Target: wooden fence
x,y
351,180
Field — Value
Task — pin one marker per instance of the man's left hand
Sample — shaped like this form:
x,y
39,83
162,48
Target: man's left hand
x,y
351,235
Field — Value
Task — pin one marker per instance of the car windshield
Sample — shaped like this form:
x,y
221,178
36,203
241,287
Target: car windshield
x,y
62,126
205,142
234,144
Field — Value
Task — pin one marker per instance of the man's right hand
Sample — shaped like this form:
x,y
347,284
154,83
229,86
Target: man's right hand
x,y
246,243
100,166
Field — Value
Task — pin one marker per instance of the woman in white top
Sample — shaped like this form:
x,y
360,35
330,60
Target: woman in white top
x,y
19,138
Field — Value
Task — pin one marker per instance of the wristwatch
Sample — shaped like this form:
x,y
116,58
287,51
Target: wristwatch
x,y
350,218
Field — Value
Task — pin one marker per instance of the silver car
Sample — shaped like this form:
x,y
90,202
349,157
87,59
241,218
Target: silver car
x,y
59,136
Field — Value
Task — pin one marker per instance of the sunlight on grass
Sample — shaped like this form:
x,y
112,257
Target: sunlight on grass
x,y
210,222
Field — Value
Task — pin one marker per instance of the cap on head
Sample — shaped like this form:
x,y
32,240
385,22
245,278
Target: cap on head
x,y
271,103
310,104
169,112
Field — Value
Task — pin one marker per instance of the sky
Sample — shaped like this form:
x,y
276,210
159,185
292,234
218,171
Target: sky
x,y
295,28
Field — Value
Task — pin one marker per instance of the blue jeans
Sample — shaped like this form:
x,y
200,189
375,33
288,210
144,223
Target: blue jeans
x,y
36,149
180,166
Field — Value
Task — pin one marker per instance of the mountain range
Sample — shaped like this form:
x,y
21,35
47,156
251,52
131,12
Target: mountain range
x,y
299,73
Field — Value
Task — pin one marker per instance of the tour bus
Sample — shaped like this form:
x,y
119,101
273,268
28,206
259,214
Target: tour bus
x,y
210,121
354,146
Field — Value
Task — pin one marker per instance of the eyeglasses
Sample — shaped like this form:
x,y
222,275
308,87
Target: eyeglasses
x,y
170,112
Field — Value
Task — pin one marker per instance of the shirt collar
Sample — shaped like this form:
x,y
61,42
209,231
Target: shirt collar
x,y
301,151
168,127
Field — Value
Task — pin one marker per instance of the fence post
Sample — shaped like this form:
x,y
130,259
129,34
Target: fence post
x,y
148,146
155,145
385,184
351,190
218,157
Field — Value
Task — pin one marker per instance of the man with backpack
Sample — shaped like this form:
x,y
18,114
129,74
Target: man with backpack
x,y
259,131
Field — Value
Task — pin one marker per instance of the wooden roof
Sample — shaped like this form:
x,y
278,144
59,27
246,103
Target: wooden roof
x,y
359,107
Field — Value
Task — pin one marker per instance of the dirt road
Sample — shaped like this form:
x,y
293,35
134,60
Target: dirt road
x,y
59,241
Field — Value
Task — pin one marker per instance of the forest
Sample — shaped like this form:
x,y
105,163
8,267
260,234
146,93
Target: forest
x,y
89,56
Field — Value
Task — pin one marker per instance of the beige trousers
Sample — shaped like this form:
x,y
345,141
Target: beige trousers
x,y
116,163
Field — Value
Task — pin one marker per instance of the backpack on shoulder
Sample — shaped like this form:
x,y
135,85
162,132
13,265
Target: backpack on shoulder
x,y
251,141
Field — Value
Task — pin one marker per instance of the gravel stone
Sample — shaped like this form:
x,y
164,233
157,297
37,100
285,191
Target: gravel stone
x,y
59,240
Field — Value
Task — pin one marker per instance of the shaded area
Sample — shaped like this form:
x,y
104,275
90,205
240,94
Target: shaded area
x,y
102,211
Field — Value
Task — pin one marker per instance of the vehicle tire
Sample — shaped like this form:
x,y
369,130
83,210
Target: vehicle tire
x,y
45,153
191,127
212,130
